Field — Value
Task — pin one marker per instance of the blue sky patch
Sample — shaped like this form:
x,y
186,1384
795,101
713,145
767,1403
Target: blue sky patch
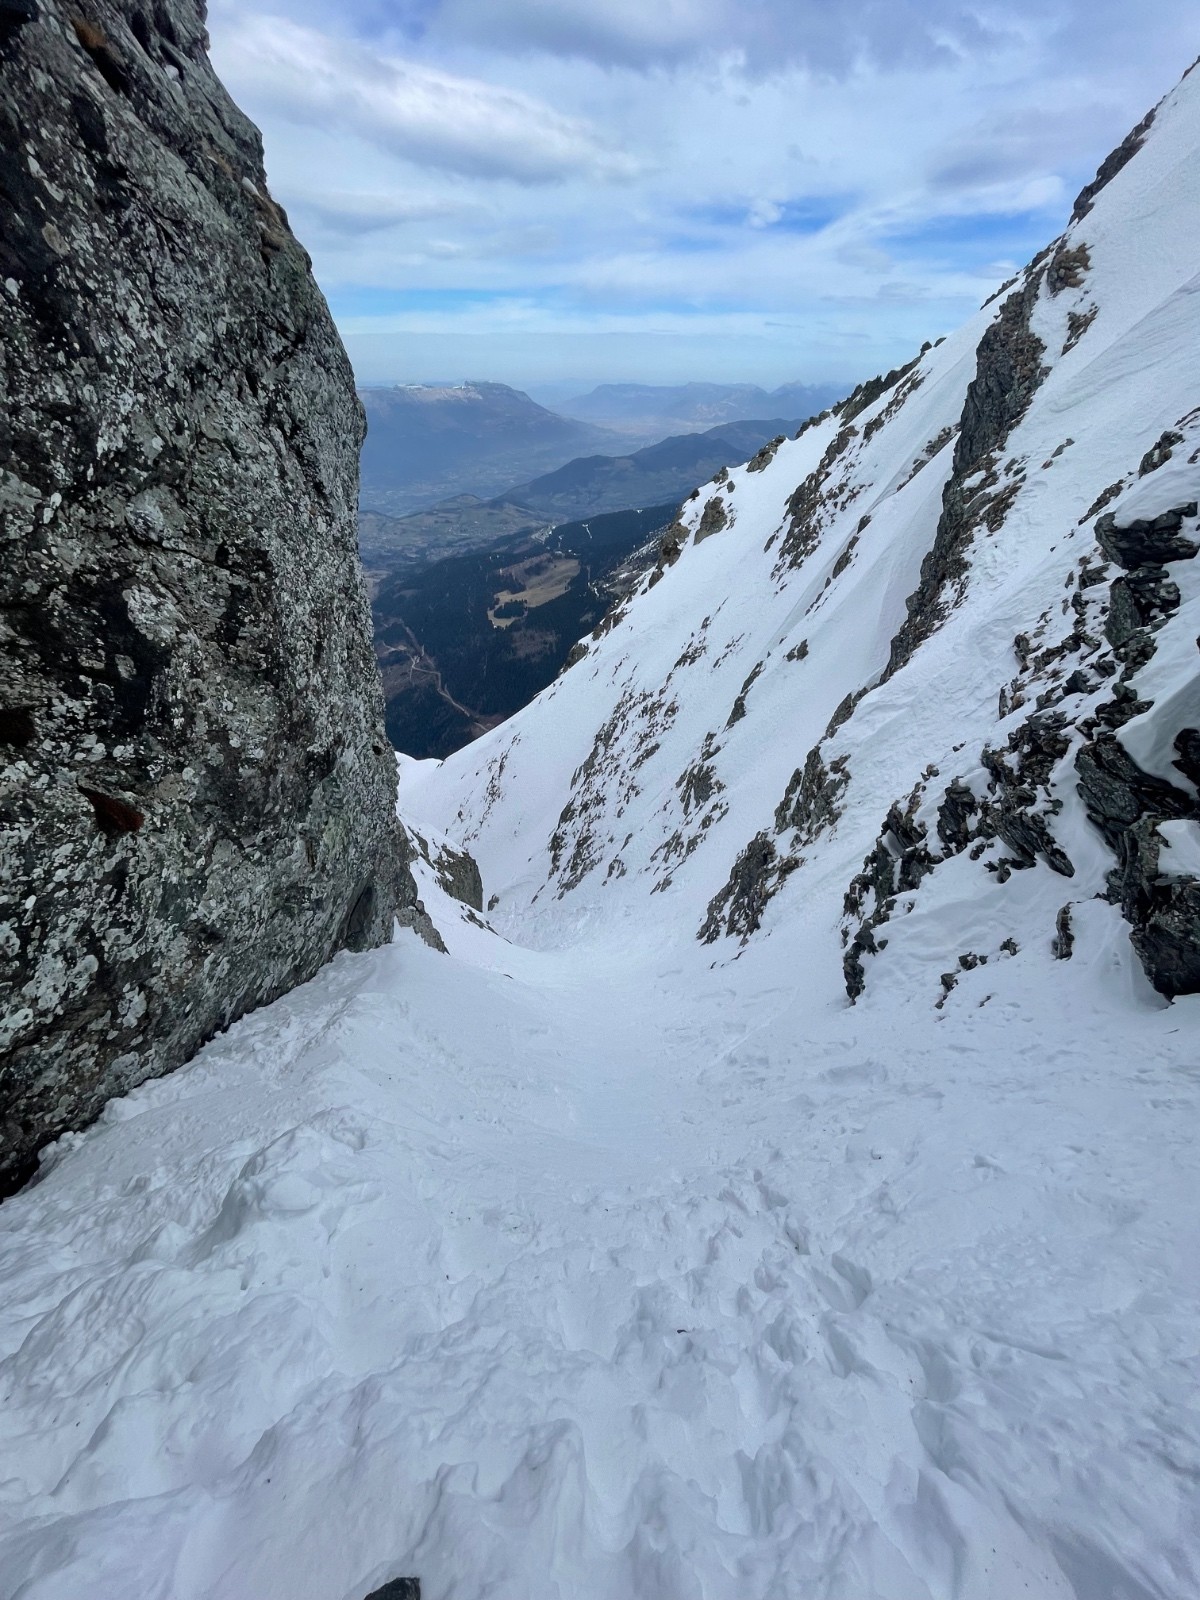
x,y
974,238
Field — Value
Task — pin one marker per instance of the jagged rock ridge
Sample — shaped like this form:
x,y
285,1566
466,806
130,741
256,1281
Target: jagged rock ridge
x,y
197,807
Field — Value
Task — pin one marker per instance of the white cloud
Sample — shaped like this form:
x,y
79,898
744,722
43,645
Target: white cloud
x,y
428,116
766,35
1010,142
358,212
828,36
626,32
861,200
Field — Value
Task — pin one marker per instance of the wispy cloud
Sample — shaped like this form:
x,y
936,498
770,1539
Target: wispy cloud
x,y
430,117
766,34
830,183
359,212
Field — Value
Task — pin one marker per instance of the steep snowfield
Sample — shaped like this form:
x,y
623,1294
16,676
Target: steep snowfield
x,y
589,798
594,1260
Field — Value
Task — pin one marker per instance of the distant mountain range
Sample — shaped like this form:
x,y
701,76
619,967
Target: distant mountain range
x,y
426,443
672,467
585,487
478,600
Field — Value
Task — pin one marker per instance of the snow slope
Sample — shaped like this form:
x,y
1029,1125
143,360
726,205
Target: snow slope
x,y
543,1276
595,1260
626,776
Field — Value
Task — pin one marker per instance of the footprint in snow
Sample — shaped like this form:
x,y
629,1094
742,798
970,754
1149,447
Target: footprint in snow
x,y
848,1289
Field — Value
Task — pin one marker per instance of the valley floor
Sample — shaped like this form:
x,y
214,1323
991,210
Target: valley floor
x,y
599,1273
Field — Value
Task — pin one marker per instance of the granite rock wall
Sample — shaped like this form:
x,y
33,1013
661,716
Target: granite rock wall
x,y
197,799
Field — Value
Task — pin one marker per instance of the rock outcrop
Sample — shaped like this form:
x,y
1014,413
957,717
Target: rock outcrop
x,y
398,1589
1008,372
197,797
1127,805
1072,739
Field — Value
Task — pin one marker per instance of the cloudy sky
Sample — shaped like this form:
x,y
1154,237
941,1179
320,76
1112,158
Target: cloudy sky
x,y
574,191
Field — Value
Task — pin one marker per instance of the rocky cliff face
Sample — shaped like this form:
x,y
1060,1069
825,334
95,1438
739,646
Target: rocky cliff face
x,y
197,805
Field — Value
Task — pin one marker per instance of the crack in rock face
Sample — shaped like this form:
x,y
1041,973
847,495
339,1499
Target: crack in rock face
x,y
197,797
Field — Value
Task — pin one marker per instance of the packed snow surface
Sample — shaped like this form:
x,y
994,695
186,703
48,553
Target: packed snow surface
x,y
598,1273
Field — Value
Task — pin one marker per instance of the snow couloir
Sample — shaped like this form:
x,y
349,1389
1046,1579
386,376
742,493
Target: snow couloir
x,y
613,1253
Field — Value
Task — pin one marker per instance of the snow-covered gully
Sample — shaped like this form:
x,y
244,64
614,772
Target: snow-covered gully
x,y
789,1190
591,1272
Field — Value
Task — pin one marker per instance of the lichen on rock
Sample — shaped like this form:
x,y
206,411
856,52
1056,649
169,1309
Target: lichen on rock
x,y
197,797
